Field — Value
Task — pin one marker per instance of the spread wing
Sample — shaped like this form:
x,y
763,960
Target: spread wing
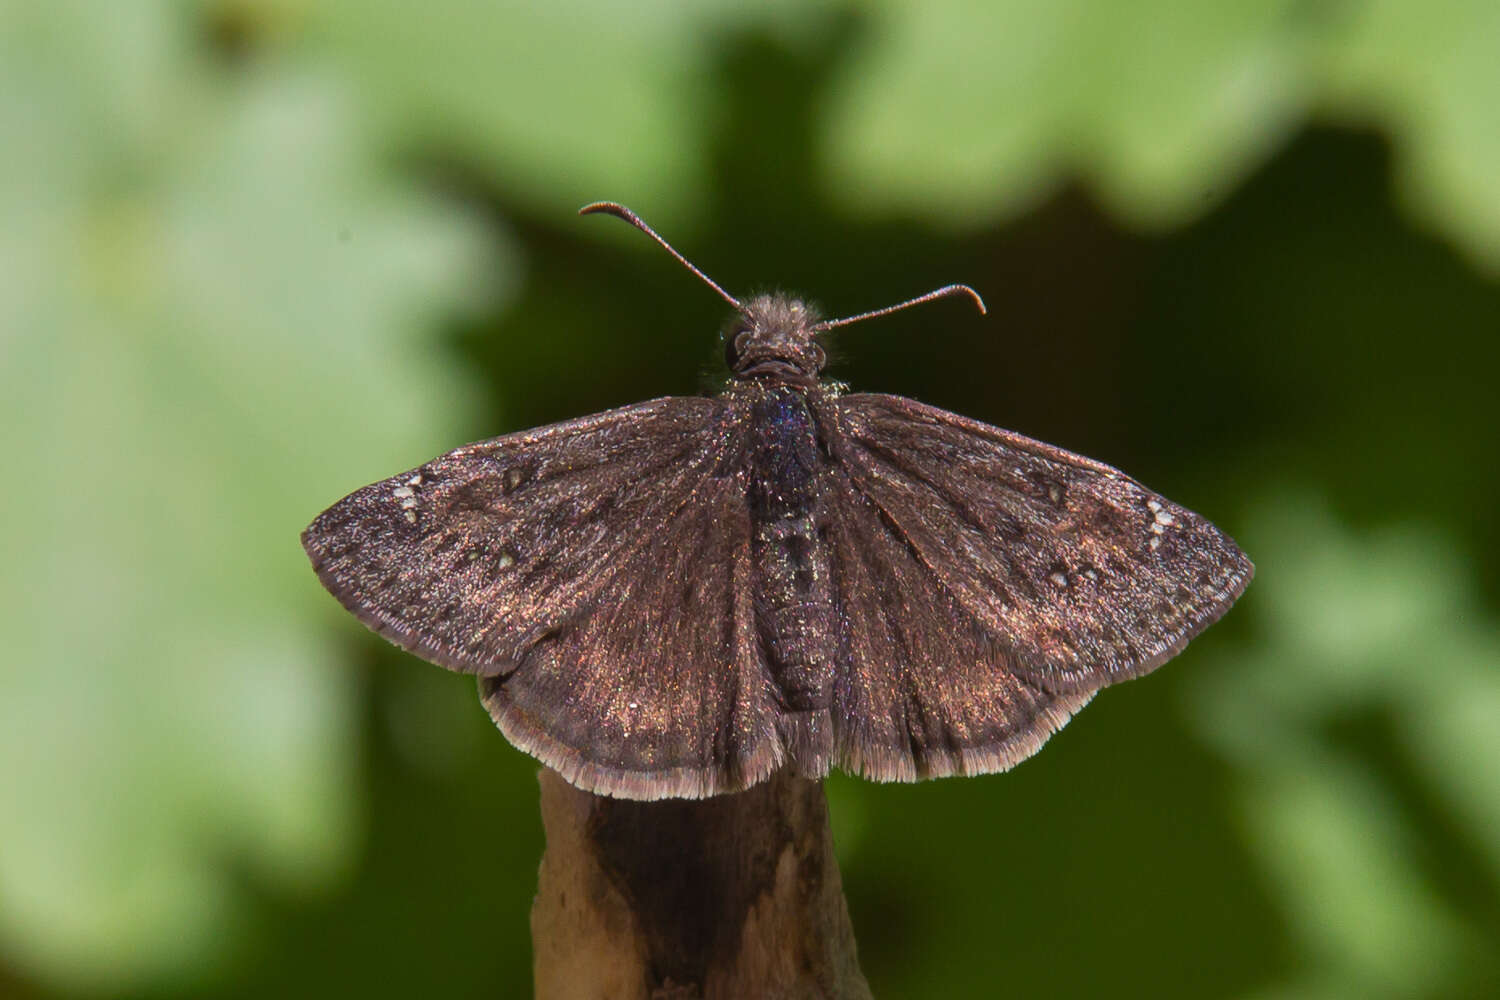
x,y
990,584
594,575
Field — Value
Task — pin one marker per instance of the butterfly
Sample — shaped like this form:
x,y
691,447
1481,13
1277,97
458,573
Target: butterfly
x,y
680,597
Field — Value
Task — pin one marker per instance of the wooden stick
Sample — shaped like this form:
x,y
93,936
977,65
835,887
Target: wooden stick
x,y
716,899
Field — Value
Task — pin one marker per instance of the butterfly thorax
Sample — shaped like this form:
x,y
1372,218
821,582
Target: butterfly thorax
x,y
794,595
774,339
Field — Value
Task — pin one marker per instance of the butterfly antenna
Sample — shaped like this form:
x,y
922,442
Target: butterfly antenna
x,y
936,293
621,212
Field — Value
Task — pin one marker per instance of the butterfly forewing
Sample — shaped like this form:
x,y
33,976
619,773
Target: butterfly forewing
x,y
471,557
1079,575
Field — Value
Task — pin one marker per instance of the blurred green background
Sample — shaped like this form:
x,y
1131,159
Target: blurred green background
x,y
254,255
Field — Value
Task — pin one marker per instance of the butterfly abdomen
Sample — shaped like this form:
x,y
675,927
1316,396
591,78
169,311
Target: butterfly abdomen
x,y
794,598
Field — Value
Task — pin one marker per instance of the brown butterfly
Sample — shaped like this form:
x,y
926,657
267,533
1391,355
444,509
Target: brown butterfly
x,y
679,597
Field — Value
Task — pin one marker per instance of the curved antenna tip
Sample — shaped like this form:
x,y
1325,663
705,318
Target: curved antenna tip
x,y
936,293
612,207
978,301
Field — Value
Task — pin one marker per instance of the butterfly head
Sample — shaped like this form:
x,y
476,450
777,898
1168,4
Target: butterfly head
x,y
775,337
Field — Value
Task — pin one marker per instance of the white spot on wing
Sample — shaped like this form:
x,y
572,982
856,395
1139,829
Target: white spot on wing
x,y
1059,578
1161,519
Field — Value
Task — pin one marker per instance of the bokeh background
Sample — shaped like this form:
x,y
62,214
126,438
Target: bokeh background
x,y
254,255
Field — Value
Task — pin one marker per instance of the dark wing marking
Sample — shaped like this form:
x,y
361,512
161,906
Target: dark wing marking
x,y
1076,573
924,691
594,574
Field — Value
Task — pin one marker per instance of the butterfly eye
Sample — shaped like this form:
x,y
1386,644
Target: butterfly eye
x,y
734,346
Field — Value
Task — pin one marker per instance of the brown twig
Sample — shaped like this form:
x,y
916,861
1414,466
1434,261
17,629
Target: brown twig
x,y
729,897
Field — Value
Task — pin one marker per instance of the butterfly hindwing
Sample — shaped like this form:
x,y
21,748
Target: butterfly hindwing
x,y
655,686
924,691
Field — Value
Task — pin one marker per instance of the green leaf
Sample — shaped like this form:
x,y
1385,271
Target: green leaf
x,y
1375,631
562,103
1427,75
962,110
215,310
974,110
